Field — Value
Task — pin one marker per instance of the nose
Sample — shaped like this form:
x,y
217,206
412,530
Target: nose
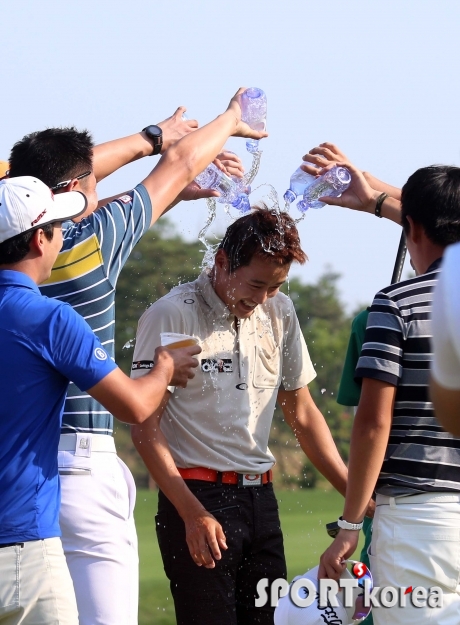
x,y
260,297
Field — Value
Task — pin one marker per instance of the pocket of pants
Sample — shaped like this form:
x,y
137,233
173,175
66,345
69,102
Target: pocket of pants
x,y
74,471
429,551
9,580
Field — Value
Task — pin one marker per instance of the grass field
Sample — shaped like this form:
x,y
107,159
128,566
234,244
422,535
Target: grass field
x,y
304,514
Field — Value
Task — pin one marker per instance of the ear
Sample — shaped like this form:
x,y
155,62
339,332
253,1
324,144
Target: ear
x,y
415,231
72,184
36,244
221,260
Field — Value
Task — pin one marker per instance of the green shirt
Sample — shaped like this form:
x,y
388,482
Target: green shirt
x,y
349,390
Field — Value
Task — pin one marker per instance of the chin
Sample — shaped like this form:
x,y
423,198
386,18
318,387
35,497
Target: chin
x,y
243,313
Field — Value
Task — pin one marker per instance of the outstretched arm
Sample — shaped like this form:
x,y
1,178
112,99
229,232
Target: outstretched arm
x,y
361,196
204,534
110,156
314,435
184,160
133,401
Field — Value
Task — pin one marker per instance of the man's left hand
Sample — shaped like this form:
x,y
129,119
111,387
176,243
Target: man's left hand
x,y
227,162
174,128
344,545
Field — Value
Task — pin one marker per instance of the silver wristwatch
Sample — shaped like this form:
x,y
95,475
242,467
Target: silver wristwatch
x,y
344,525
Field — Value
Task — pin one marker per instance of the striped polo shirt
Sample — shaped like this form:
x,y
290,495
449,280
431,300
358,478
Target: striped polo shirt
x,y
420,455
85,275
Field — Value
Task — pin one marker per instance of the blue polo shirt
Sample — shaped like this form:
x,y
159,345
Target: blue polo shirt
x,y
44,344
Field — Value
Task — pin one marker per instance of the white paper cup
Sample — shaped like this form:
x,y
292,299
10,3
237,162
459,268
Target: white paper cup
x,y
172,340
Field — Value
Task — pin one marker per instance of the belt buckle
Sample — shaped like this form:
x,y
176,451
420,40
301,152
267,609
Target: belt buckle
x,y
250,479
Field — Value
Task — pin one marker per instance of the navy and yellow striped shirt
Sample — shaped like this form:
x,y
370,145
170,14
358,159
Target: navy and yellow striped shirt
x,y
85,275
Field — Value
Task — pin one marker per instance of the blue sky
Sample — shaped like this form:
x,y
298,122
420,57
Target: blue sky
x,y
379,78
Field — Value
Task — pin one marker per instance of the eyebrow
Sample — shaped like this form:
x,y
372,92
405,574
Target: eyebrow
x,y
262,283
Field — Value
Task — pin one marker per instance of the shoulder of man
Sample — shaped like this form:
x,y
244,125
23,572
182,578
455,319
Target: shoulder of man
x,y
179,300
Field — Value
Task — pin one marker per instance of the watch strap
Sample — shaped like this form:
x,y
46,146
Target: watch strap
x,y
345,525
157,140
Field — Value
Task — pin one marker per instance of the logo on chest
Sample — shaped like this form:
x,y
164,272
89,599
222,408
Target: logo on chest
x,y
216,365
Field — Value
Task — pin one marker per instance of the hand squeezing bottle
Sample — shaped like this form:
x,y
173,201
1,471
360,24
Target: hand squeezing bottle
x,y
230,191
331,184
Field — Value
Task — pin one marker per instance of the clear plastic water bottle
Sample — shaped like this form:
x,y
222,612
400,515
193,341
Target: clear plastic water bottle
x,y
332,184
231,192
299,181
254,113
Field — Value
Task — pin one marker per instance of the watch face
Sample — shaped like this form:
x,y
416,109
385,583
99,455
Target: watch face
x,y
154,131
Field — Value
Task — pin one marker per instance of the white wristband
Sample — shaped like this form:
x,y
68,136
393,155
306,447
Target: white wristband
x,y
344,525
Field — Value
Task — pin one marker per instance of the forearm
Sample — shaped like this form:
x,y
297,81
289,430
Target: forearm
x,y
110,156
390,208
321,449
133,401
314,435
381,186
184,160
367,451
153,448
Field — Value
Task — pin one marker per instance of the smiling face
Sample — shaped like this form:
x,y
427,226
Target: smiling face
x,y
248,286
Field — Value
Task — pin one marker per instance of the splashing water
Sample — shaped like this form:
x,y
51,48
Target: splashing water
x,y
210,250
129,344
249,176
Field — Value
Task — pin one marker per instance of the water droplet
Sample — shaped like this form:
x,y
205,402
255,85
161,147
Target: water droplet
x,y
323,390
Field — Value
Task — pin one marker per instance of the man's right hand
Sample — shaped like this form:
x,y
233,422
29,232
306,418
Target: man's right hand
x,y
183,363
242,129
205,538
174,128
359,196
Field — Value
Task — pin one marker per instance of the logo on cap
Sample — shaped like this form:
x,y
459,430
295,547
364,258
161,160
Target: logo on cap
x,y
37,219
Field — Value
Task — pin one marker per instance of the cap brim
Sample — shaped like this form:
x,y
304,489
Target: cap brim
x,y
70,205
65,206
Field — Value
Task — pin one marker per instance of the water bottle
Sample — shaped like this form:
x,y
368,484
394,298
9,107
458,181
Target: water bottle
x,y
231,192
299,181
332,184
254,113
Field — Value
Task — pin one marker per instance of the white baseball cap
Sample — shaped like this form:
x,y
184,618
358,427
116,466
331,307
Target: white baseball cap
x,y
288,613
27,203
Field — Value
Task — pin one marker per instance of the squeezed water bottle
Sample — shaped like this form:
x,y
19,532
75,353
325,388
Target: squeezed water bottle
x,y
254,113
333,183
300,180
231,192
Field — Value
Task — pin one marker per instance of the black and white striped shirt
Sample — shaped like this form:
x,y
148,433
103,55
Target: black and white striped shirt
x,y
420,455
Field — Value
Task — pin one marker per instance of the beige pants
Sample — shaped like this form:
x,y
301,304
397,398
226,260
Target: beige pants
x,y
35,585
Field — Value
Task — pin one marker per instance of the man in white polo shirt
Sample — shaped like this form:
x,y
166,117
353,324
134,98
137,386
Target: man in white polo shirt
x,y
210,457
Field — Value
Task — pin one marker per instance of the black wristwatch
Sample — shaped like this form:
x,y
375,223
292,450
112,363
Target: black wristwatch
x,y
155,134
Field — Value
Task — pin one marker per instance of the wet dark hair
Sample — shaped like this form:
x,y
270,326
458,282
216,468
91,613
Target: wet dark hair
x,y
52,155
15,249
265,233
431,196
